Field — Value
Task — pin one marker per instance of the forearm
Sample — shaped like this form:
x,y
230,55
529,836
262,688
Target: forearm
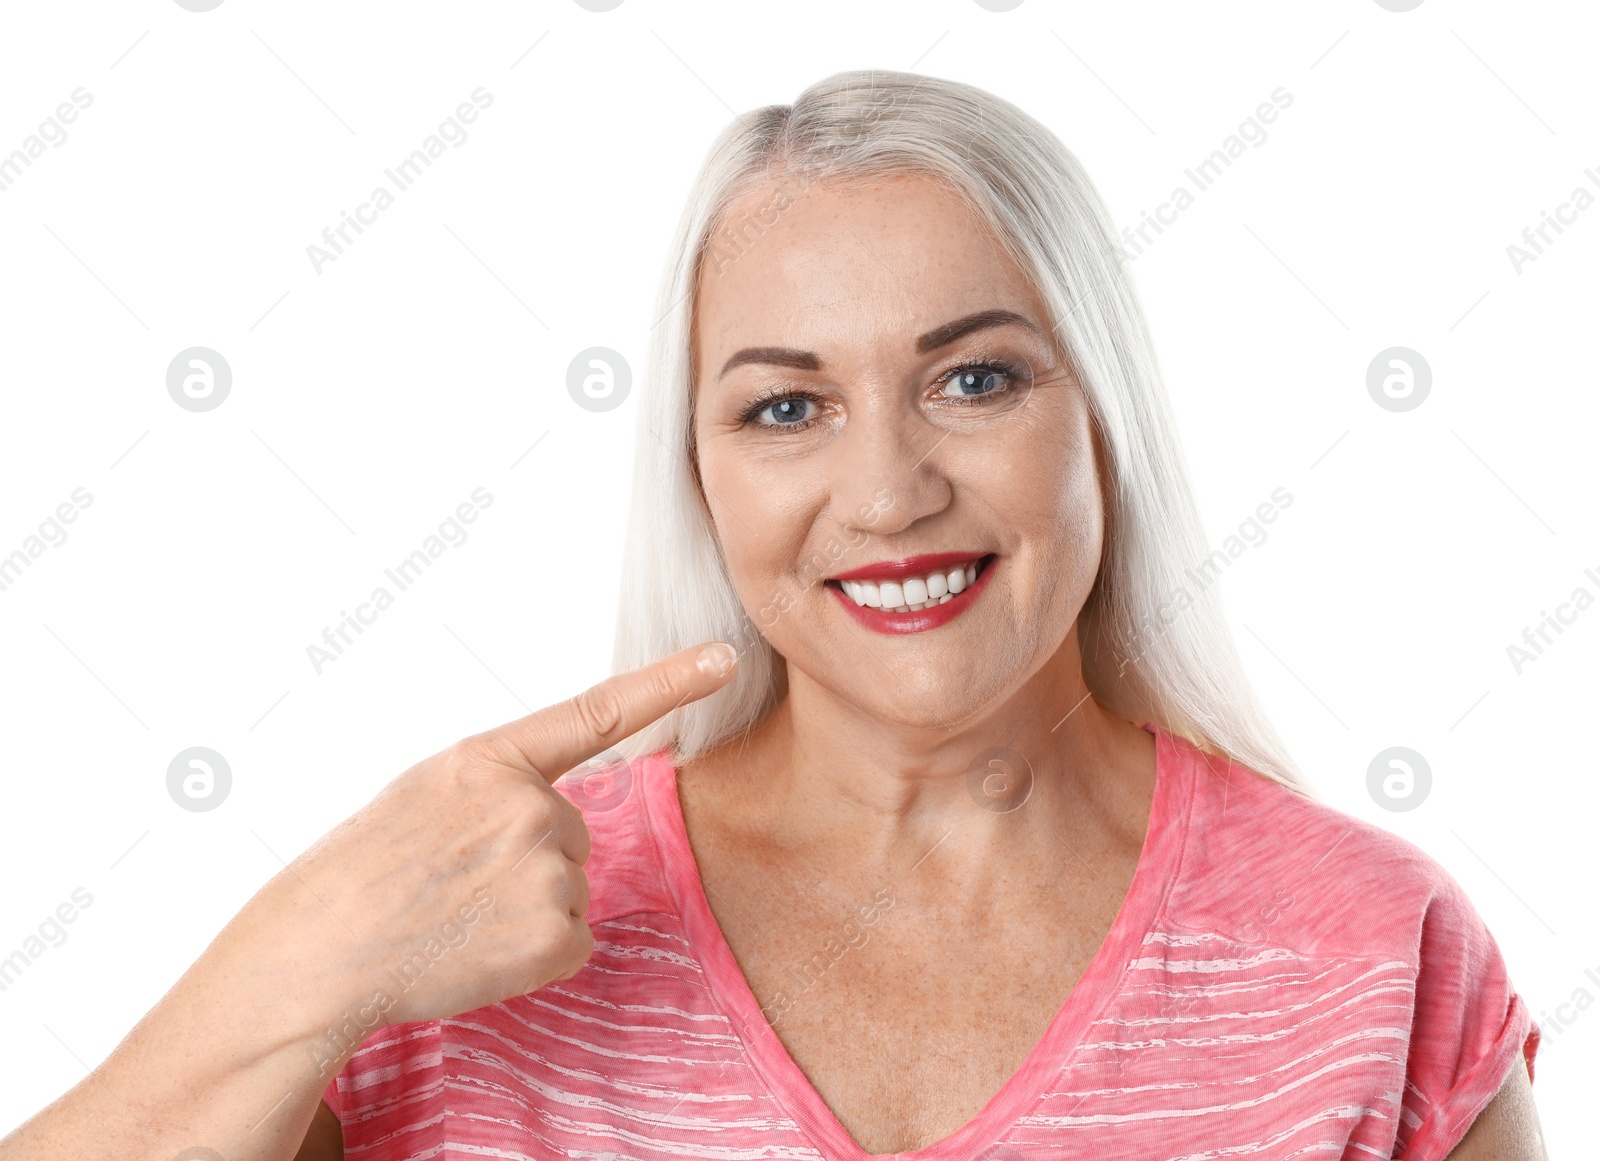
x,y
234,1058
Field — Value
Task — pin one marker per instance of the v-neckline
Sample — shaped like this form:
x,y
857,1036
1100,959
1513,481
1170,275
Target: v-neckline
x,y
789,1084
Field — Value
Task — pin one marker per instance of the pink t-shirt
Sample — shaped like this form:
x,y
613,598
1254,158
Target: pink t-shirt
x,y
1282,981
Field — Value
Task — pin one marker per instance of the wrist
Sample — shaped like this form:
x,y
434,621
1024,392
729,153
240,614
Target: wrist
x,y
287,968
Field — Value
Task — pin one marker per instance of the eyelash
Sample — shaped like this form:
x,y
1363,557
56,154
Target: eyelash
x,y
755,407
996,363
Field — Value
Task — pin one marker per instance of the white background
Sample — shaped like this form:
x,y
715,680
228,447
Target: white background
x,y
372,398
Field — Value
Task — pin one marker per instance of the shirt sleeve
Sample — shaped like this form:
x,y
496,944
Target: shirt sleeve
x,y
1469,1027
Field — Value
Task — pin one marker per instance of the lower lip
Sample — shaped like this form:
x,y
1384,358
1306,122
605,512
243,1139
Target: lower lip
x,y
923,619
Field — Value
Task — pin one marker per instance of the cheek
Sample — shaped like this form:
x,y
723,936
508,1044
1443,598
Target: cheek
x,y
1079,517
1043,482
760,511
1043,469
1082,505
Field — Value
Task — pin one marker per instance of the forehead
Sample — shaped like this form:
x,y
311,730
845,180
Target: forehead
x,y
873,261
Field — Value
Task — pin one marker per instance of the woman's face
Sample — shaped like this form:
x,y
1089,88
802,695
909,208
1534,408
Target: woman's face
x,y
882,412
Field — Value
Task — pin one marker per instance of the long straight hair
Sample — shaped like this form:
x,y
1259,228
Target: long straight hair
x,y
1154,641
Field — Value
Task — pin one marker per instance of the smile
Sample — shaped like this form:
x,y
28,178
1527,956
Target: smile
x,y
914,594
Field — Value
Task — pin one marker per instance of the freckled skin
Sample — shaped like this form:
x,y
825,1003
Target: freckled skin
x,y
855,786
862,769
855,278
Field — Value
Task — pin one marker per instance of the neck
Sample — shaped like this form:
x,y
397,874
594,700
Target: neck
x,y
1043,763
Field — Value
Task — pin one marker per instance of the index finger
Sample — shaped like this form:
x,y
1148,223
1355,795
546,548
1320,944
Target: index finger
x,y
551,741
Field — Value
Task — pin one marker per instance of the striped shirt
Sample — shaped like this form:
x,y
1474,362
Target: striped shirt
x,y
1282,981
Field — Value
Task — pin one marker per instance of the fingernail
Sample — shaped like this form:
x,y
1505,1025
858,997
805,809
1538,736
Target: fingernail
x,y
716,660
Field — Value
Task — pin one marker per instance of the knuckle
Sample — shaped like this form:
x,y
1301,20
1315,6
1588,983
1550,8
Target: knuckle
x,y
580,948
551,931
582,843
462,761
560,806
569,820
548,875
580,941
599,710
579,893
468,751
663,684
583,938
542,813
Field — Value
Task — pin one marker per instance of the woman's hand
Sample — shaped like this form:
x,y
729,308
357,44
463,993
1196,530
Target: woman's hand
x,y
462,883
459,885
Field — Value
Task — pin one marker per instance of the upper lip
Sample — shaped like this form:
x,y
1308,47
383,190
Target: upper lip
x,y
909,566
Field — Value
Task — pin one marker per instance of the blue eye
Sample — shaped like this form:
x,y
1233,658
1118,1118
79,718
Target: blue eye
x,y
976,381
788,411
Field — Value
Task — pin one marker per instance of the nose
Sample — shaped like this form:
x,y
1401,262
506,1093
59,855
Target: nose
x,y
886,470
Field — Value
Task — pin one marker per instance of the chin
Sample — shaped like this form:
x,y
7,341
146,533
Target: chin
x,y
935,704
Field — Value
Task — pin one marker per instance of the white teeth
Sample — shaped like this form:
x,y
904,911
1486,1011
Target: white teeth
x,y
912,593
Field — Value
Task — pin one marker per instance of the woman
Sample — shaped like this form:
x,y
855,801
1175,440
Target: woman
x,y
975,846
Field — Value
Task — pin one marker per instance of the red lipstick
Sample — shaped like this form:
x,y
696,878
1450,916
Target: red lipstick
x,y
921,620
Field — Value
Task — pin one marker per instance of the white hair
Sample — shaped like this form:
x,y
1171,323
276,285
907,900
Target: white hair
x,y
1152,646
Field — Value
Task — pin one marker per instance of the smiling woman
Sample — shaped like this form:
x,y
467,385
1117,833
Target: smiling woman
x,y
1017,242
910,452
